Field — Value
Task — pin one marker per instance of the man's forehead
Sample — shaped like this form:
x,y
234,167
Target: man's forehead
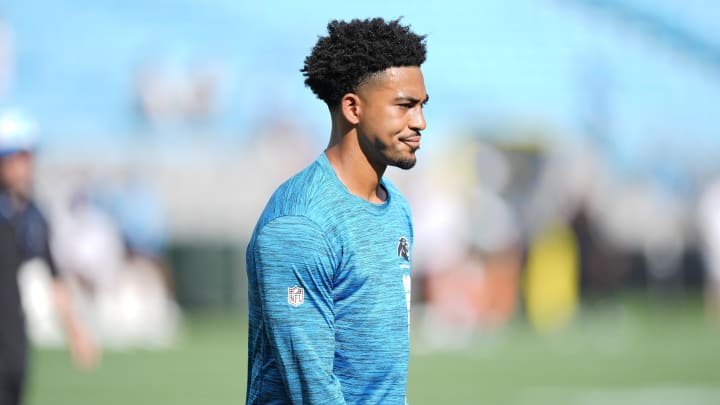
x,y
405,79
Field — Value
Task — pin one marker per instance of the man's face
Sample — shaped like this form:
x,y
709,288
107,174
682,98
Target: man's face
x,y
16,172
391,116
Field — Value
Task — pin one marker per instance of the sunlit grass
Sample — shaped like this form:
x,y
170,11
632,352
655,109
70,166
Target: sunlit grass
x,y
629,353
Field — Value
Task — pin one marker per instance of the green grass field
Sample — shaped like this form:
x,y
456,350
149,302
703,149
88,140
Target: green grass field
x,y
630,354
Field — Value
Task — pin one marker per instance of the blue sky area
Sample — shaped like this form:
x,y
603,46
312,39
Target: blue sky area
x,y
647,68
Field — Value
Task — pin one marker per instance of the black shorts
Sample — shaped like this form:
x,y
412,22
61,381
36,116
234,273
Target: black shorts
x,y
13,342
12,383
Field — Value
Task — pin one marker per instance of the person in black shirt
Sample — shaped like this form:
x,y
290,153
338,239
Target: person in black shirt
x,y
24,235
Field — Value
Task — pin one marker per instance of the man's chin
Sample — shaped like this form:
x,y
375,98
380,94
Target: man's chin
x,y
405,164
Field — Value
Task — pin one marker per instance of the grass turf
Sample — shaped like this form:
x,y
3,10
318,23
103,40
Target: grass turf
x,y
633,353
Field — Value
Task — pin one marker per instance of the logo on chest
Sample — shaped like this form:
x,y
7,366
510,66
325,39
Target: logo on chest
x,y
403,248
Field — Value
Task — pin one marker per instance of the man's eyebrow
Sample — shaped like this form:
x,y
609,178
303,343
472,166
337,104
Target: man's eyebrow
x,y
412,99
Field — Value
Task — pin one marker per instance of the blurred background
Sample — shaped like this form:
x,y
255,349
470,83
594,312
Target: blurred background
x,y
566,200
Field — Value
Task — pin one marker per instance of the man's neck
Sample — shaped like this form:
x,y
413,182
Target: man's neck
x,y
353,168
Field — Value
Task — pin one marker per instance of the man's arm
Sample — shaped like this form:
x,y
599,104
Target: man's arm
x,y
82,348
292,251
85,353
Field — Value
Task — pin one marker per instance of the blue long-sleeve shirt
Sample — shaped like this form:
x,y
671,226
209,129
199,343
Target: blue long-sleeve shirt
x,y
329,295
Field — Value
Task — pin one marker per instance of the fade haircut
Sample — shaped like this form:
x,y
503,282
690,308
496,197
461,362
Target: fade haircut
x,y
353,51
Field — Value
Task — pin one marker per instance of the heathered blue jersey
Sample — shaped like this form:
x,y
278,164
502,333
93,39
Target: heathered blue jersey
x,y
329,295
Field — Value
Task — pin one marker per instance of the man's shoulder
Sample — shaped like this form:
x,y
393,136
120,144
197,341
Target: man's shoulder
x,y
303,194
301,187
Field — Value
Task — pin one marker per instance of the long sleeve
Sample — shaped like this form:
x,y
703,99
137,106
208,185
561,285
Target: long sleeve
x,y
295,266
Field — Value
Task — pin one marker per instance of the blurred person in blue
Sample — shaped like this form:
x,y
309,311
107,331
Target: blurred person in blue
x,y
137,210
329,261
110,248
26,224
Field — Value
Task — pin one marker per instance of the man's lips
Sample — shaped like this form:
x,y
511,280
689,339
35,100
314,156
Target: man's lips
x,y
412,141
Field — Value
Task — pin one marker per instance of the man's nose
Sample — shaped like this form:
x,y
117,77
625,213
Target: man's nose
x,y
417,119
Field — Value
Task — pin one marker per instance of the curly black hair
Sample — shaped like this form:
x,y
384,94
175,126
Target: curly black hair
x,y
353,51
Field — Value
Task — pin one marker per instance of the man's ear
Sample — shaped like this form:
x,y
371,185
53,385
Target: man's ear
x,y
350,106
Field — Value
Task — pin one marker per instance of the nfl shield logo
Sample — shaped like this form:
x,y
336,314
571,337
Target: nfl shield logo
x,y
296,296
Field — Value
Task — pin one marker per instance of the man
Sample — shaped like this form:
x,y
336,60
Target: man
x,y
329,261
25,236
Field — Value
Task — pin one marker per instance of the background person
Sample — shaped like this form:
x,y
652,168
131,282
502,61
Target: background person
x,y
30,236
